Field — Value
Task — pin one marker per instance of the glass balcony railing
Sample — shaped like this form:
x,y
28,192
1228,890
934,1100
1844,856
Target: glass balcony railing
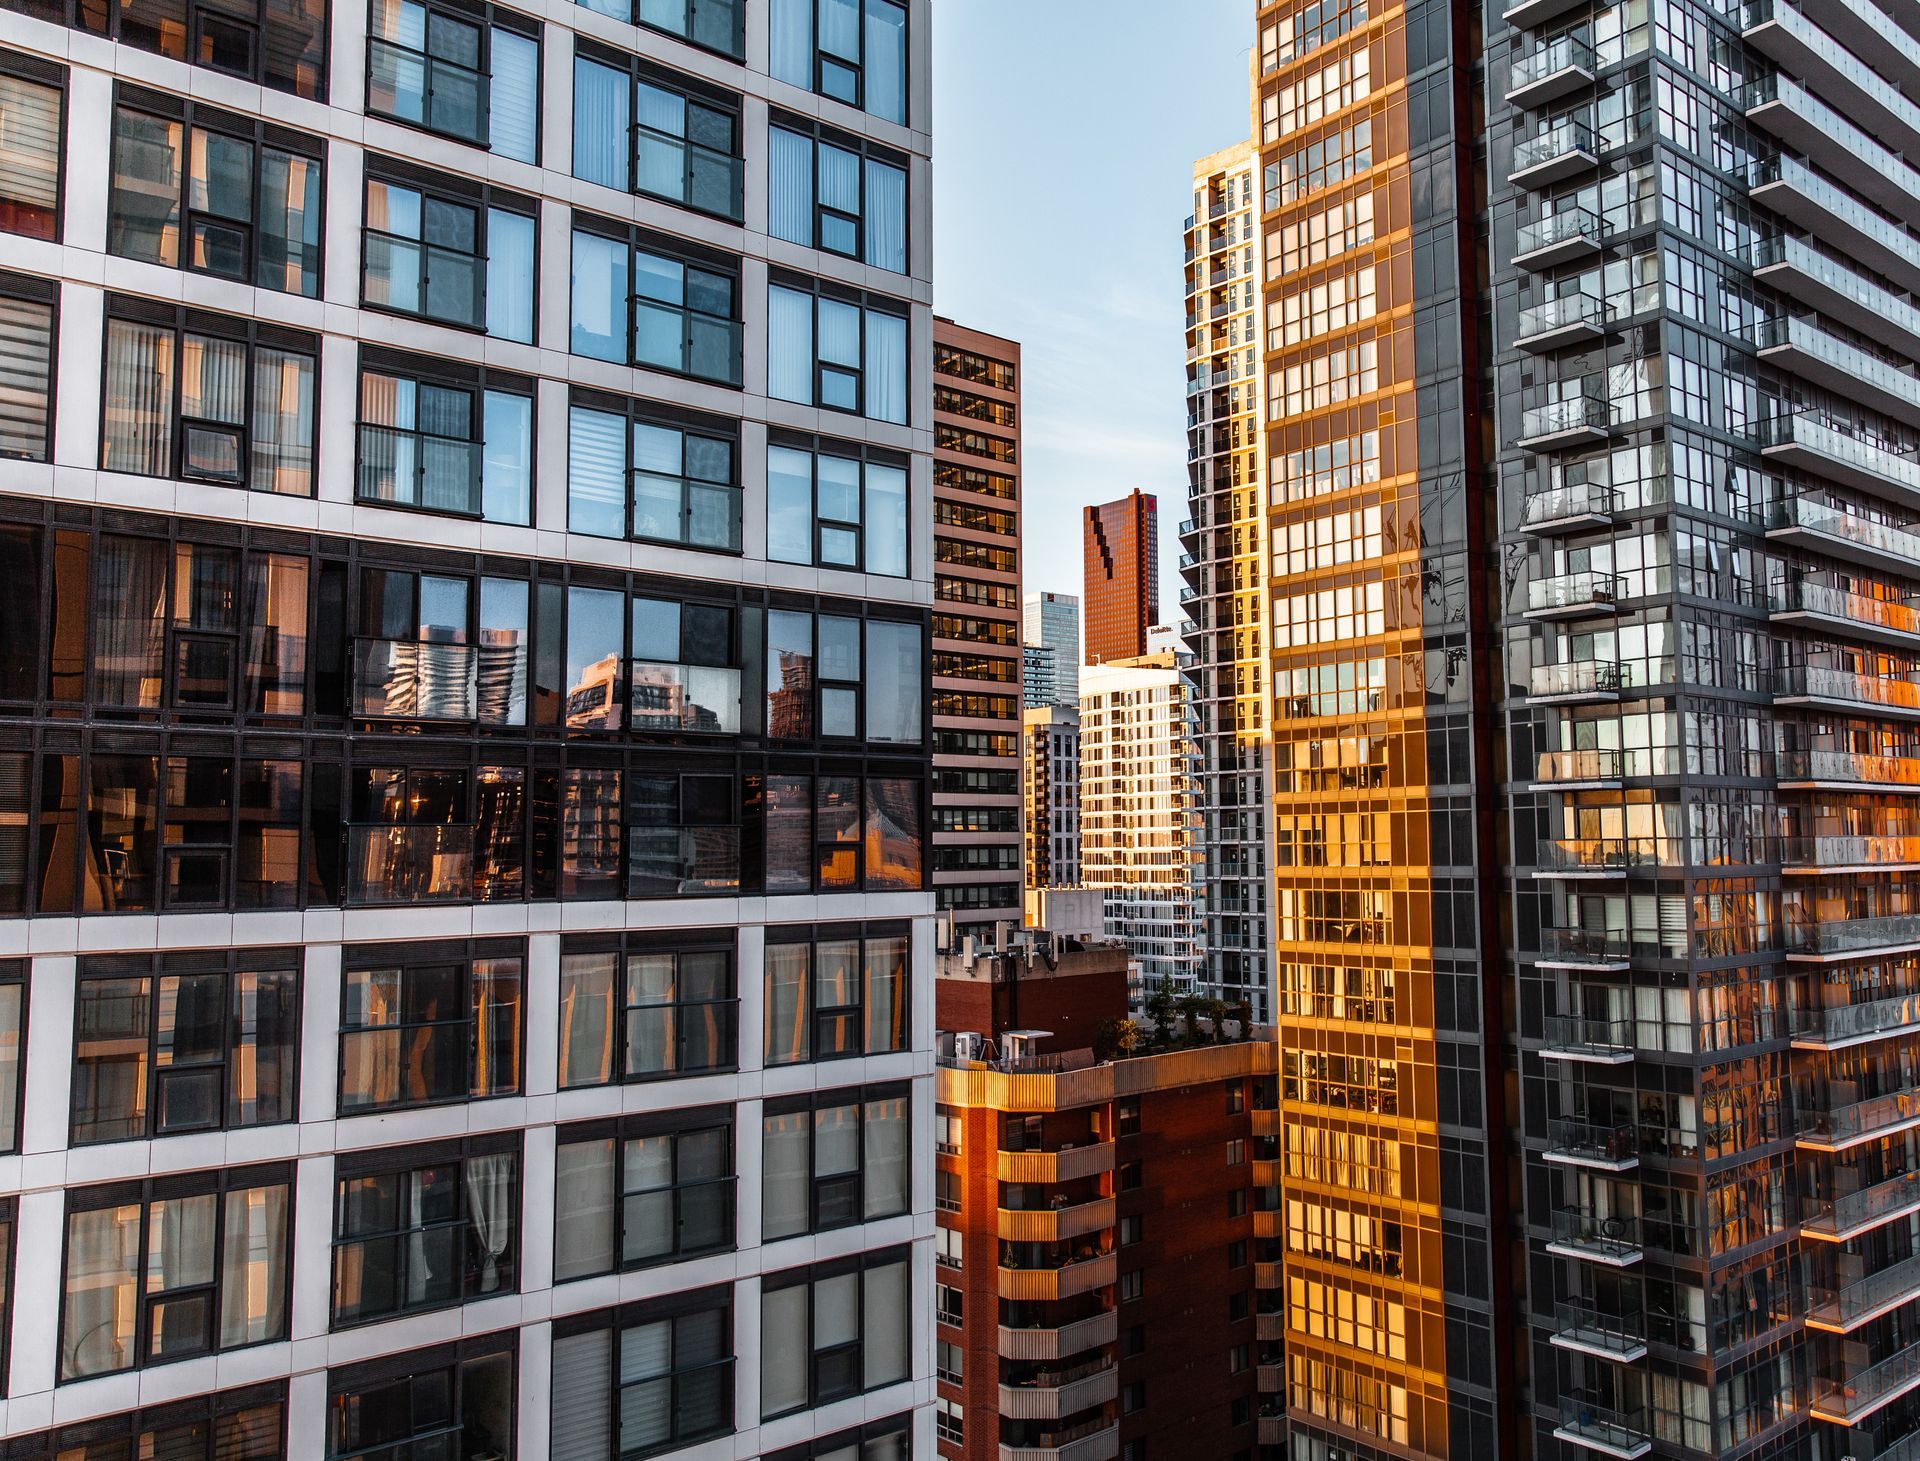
x,y
1613,1237
1565,141
1550,59
1839,1023
676,697
1870,226
1873,374
1587,765
1577,677
1580,1035
1830,275
1860,1121
1847,1308
407,679
1821,683
1850,851
1571,503
1850,1395
1615,1430
1594,854
1573,591
409,863
1574,415
1859,1211
1564,316
1816,515
1569,231
1848,767
1590,1327
1854,935
1841,452
1586,1141
1802,597
1587,945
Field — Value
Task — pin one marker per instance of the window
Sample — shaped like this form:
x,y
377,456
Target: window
x,y
878,1440
827,504
1131,1286
455,1401
646,131
420,1025
1126,1117
207,398
471,73
234,1425
32,128
1133,1398
949,1248
689,684
448,251
949,1304
1131,1230
838,354
820,685
854,51
832,192
416,656
630,474
833,1330
643,1379
26,363
816,838
639,1012
636,303
714,25
838,994
217,194
949,1126
191,1041
833,1159
172,1268
642,1190
1236,1151
445,437
950,1420
13,1027
278,43
425,1227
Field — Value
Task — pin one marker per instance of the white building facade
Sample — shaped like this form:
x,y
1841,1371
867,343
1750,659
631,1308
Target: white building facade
x,y
465,528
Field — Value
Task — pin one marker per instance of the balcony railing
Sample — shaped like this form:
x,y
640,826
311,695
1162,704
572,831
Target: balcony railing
x,y
1560,150
1816,515
1573,591
1802,597
1858,1212
1825,854
409,863
1615,1334
1621,1431
680,698
1845,1309
1576,855
1566,59
1613,1238
1823,683
1837,451
1584,765
1593,1144
1849,767
662,861
1571,417
1842,1126
1579,1035
1854,935
408,679
1574,503
1570,316
1587,945
1849,1023
1581,677
1846,1397
1565,234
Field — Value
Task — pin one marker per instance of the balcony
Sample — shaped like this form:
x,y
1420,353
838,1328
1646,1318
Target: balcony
x,y
1570,509
1810,521
1802,348
1566,148
1572,595
1840,1128
1062,1394
1574,1143
1807,126
1588,1041
408,679
1603,1333
1576,681
1065,1282
1623,1433
1094,1440
1843,689
1809,49
1613,1240
1270,1327
1532,14
1801,196
1826,449
1551,70
1847,771
1576,318
1854,938
1607,949
1266,1122
1062,1343
1849,1398
1846,1218
1272,1429
1587,770
1574,421
409,863
1051,1225
1592,857
1559,238
1840,1026
1269,1275
1892,622
1066,1165
1843,1310
1849,854
1839,292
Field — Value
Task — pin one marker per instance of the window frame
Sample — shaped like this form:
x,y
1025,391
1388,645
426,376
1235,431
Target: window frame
x,y
643,944
230,965
478,382
812,1014
405,959
820,685
260,136
132,1425
639,72
388,1370
483,199
894,1427
859,1098
687,255
866,456
33,71
145,1192
615,1322
487,17
866,303
79,15
867,775
808,1277
25,289
818,58
870,154
635,412
15,971
640,1126
404,1162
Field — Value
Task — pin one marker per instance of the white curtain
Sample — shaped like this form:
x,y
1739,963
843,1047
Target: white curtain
x,y
886,367
840,333
282,423
101,1295
789,345
783,1350
646,1392
510,282
420,1272
886,521
597,474
513,101
790,42
26,371
213,380
138,435
884,1325
787,1003
884,1133
886,62
886,215
490,1210
253,1267
582,1377
602,124
790,189
586,1019
784,1175
583,1209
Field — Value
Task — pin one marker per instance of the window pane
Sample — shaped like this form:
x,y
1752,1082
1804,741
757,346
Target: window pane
x,y
596,473
282,423
586,1019
26,369
894,695
582,1422
886,62
506,492
11,998
513,98
253,1266
595,633
501,680
884,1325
790,42
288,244
510,280
790,675
885,1135
783,1349
265,1027
893,834
599,297
886,367
886,217
886,527
138,425
790,200
112,1027
602,124
788,1010
144,212
99,1305
789,345
789,505
786,1176
29,157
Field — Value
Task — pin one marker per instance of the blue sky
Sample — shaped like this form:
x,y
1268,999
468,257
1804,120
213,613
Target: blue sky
x,y
1080,120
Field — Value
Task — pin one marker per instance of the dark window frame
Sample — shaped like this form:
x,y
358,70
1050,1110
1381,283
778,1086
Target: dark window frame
x,y
131,1425
807,1277
819,134
720,102
406,958
699,942
818,1016
687,255
867,302
482,199
813,1102
636,411
477,381
615,1321
634,1126
866,455
111,21
896,1427
393,1369
864,773
487,17
28,290
15,971
859,69
18,66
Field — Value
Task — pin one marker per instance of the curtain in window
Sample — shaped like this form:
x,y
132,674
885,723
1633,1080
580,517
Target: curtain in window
x,y
886,215
787,966
886,367
586,1019
602,124
646,1391
886,994
789,345
180,1255
886,529
513,97
600,300
506,469
11,996
886,63
490,1210
790,186
100,1293
790,42
510,282
582,1427
884,1325
597,474
583,1224
647,1226
785,1182
29,156
138,425
783,1350
282,423
884,1134
495,996
253,1266
26,367
129,621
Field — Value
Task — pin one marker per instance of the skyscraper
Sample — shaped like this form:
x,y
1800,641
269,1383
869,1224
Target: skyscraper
x,y
464,752
1051,622
978,670
1052,797
1121,557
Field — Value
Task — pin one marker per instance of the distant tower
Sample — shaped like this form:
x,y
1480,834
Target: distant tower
x,y
1122,562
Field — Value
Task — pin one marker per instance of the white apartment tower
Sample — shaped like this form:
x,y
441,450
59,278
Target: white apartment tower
x,y
465,563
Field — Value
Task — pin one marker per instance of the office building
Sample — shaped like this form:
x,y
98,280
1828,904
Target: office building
x,y
977,664
1040,676
1138,829
464,762
1223,562
1051,623
1121,556
1109,1234
1052,746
